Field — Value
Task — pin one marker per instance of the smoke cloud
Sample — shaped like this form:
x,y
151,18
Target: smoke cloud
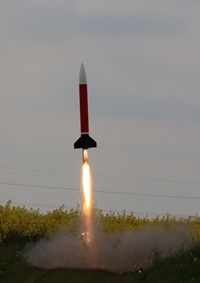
x,y
116,252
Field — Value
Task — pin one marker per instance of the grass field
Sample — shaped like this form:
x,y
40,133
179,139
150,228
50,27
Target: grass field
x,y
184,268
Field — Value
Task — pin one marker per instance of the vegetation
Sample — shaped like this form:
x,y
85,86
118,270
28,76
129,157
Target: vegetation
x,y
19,225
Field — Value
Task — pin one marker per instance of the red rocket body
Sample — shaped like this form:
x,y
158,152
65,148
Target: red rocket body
x,y
83,98
85,141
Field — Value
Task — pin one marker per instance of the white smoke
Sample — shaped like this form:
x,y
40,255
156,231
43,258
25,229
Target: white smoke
x,y
116,252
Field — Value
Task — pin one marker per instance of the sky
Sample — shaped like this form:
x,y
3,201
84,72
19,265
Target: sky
x,y
143,69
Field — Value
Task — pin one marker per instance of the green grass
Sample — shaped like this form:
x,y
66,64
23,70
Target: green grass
x,y
184,268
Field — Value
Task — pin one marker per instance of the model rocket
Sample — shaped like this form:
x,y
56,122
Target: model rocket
x,y
85,141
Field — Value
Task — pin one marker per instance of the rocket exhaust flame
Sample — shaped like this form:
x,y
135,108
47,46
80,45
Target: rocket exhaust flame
x,y
87,200
86,185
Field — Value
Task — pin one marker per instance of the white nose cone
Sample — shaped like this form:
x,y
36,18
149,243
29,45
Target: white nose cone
x,y
82,76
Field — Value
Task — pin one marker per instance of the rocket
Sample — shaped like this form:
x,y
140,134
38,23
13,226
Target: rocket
x,y
85,141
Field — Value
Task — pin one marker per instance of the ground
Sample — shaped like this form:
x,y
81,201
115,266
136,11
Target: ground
x,y
184,268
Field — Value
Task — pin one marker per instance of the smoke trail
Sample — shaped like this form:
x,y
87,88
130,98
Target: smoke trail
x,y
91,248
118,252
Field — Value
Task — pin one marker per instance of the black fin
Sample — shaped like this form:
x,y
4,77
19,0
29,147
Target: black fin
x,y
85,141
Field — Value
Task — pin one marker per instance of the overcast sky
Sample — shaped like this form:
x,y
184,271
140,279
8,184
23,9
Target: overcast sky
x,y
143,67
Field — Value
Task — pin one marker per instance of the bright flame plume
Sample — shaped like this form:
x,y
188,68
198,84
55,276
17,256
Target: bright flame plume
x,y
87,194
87,200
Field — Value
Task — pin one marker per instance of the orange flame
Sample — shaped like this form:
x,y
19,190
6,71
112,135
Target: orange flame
x,y
87,201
